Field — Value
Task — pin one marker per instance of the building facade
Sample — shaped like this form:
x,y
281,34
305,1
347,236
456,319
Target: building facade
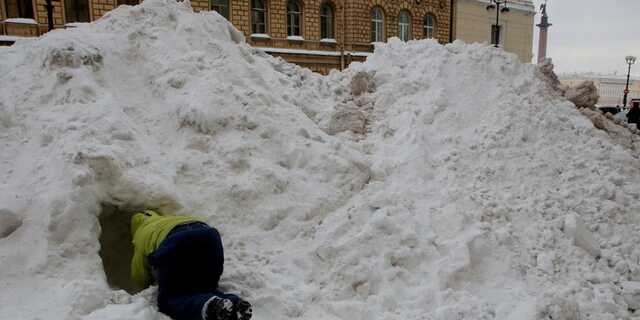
x,y
610,88
475,22
318,34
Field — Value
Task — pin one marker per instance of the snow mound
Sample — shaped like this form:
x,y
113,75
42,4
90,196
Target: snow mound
x,y
154,106
430,182
477,167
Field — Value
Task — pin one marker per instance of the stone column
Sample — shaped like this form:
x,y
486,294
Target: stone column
x,y
542,41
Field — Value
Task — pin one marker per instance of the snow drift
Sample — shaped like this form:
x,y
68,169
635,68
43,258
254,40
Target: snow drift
x,y
430,182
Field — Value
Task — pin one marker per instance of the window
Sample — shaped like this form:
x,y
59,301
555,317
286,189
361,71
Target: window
x,y
128,2
404,25
19,9
429,26
326,21
76,10
222,7
258,16
496,34
293,18
377,25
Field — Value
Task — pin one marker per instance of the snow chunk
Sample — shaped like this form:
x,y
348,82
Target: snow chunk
x,y
347,119
295,38
581,236
631,294
583,95
558,308
20,21
260,36
362,82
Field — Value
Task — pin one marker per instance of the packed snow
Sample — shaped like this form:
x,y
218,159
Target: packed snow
x,y
432,181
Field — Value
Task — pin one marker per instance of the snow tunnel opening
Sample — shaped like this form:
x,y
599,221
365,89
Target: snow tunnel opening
x,y
116,249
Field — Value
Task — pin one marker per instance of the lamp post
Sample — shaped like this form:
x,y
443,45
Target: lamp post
x,y
495,4
630,60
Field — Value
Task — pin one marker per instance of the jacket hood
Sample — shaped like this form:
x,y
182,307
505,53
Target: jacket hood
x,y
141,218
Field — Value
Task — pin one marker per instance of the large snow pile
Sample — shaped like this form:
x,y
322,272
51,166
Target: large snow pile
x,y
431,182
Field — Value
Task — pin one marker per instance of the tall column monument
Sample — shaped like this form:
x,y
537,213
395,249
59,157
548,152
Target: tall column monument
x,y
542,41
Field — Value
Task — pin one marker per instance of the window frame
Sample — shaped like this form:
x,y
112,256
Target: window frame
x,y
127,2
66,8
264,12
404,26
426,28
227,6
375,23
29,8
294,19
327,21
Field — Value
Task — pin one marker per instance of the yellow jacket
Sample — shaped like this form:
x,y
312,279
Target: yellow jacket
x,y
148,229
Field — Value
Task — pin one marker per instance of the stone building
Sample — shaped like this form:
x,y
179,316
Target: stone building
x,y
318,34
475,22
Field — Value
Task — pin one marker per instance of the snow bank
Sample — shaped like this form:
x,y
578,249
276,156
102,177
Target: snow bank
x,y
430,182
155,106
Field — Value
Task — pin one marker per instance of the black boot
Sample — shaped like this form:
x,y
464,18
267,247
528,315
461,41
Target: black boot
x,y
244,310
232,308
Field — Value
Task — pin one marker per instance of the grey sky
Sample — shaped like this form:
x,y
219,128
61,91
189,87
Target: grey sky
x,y
592,35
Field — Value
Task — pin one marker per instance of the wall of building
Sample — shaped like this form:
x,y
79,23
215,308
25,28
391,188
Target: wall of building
x,y
41,14
359,13
97,8
474,21
2,11
352,35
358,24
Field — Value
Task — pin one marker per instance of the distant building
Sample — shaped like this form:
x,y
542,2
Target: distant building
x,y
319,34
610,88
474,23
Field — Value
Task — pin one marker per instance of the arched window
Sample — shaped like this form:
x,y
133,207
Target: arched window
x,y
429,26
377,25
404,25
293,18
258,16
326,21
222,7
76,10
19,9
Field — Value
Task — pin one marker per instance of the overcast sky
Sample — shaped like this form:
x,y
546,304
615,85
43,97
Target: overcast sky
x,y
592,35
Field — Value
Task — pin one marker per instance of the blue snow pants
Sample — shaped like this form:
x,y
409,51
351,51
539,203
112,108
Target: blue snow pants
x,y
187,267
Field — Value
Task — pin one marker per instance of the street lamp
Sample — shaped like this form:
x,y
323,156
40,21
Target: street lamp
x,y
495,31
630,60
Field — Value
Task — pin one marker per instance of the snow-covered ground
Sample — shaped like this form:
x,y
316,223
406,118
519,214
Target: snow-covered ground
x,y
430,182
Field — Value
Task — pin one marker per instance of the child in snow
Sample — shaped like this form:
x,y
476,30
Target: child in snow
x,y
185,258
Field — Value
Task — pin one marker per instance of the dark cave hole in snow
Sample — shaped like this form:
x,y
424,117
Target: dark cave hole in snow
x,y
116,249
